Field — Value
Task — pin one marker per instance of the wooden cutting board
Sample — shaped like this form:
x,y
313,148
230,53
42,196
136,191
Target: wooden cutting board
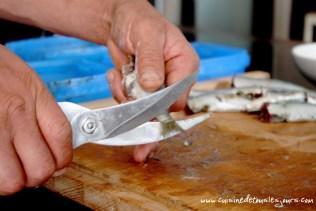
x,y
233,155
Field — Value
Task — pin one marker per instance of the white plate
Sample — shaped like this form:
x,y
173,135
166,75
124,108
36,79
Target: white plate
x,y
305,58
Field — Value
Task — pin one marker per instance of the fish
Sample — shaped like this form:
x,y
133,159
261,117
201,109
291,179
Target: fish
x,y
275,96
274,100
220,100
288,112
134,90
275,84
244,99
244,81
311,97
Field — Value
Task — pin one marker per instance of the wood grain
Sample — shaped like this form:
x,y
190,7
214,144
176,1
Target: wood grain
x,y
233,155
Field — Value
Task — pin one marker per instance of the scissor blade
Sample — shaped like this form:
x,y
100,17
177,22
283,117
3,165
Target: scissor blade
x,y
124,117
149,132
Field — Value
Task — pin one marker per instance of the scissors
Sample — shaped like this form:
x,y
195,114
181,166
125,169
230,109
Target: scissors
x,y
128,123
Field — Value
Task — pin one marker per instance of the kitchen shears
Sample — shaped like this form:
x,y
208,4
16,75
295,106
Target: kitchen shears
x,y
128,123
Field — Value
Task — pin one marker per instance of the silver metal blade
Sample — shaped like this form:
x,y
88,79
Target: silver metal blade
x,y
121,118
149,132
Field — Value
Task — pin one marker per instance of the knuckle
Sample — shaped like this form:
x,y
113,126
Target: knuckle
x,y
150,58
41,174
194,59
12,186
63,135
15,105
62,132
152,24
65,159
58,135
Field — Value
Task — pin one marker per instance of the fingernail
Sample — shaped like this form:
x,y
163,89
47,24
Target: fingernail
x,y
150,76
59,172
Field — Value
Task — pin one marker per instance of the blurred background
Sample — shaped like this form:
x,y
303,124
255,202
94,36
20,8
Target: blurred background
x,y
208,19
251,24
266,29
264,33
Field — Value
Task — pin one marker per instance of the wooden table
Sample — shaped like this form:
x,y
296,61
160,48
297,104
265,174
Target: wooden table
x,y
233,155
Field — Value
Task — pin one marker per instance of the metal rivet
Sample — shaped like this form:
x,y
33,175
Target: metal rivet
x,y
89,126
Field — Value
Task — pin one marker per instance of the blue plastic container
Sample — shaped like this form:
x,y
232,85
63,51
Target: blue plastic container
x,y
73,69
54,47
220,61
74,81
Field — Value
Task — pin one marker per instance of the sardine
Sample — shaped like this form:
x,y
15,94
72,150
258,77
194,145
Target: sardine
x,y
247,99
288,112
135,91
277,100
276,96
229,100
311,97
275,84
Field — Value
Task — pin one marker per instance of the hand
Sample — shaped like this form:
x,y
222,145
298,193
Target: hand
x,y
163,55
35,134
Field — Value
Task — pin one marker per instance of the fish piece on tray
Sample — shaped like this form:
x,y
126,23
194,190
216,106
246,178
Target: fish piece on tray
x,y
244,81
248,99
288,112
233,100
275,84
275,96
283,100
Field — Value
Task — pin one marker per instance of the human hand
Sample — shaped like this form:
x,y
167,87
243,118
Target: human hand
x,y
163,55
35,134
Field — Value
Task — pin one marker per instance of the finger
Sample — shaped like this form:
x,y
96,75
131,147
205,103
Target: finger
x,y
52,122
55,128
141,152
181,101
36,158
179,68
150,63
115,80
11,171
60,172
118,57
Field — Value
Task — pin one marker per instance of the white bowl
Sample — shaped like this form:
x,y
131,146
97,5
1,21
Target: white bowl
x,y
305,58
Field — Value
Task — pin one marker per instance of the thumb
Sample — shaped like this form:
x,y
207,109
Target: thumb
x,y
150,65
